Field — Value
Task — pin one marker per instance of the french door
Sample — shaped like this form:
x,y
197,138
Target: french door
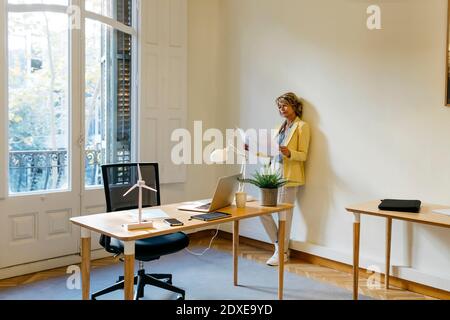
x,y
69,96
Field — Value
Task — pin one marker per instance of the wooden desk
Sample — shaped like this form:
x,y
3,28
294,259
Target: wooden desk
x,y
426,216
111,224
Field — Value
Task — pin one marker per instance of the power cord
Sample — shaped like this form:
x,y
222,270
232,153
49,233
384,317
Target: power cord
x,y
209,247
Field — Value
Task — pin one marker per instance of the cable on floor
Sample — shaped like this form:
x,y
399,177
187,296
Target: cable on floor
x,y
209,247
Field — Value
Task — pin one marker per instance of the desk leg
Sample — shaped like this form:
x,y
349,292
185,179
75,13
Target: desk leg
x,y
235,251
388,251
281,236
129,270
85,263
356,231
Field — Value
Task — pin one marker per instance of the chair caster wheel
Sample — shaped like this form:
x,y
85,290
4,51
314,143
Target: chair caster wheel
x,y
180,297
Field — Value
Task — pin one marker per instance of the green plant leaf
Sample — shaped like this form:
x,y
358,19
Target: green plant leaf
x,y
266,180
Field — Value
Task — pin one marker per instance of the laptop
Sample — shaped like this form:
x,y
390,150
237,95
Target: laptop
x,y
223,196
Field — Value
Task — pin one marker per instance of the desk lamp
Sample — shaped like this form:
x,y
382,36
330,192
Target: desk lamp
x,y
140,184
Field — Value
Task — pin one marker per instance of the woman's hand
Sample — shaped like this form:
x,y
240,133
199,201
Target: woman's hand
x,y
285,151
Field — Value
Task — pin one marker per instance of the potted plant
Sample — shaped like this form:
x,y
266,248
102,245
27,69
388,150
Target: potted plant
x,y
268,182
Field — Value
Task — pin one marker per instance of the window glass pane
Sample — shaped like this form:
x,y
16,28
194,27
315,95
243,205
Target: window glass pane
x,y
38,55
107,99
60,2
116,9
102,7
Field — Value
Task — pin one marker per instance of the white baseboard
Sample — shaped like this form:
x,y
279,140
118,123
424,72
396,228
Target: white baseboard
x,y
402,272
58,262
414,275
32,267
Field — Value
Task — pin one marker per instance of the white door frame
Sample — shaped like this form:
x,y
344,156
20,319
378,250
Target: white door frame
x,y
93,198
35,226
43,204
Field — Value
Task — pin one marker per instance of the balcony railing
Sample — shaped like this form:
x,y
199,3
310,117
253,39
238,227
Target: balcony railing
x,y
48,170
93,163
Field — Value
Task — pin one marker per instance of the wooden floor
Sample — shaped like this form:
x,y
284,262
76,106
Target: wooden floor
x,y
302,268
323,274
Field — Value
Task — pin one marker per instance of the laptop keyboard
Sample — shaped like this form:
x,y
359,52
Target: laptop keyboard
x,y
204,206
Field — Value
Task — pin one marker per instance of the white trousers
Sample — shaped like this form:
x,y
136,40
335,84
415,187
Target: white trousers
x,y
285,195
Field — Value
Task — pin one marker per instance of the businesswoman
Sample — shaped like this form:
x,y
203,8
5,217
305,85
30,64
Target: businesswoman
x,y
293,138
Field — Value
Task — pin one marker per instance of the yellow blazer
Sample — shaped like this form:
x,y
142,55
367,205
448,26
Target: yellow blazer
x,y
298,144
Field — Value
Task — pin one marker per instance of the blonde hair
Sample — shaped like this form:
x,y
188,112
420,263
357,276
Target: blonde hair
x,y
292,99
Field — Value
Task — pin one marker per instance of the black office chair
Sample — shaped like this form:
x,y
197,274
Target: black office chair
x,y
117,179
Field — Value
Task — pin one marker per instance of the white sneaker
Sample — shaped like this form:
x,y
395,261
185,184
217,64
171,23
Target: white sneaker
x,y
273,261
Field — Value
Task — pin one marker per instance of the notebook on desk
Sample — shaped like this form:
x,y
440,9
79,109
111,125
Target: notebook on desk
x,y
412,206
211,216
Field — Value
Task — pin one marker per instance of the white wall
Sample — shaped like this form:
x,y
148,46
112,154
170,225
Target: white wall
x,y
203,93
374,100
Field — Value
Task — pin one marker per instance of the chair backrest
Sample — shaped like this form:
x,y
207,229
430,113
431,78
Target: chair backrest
x,y
119,178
